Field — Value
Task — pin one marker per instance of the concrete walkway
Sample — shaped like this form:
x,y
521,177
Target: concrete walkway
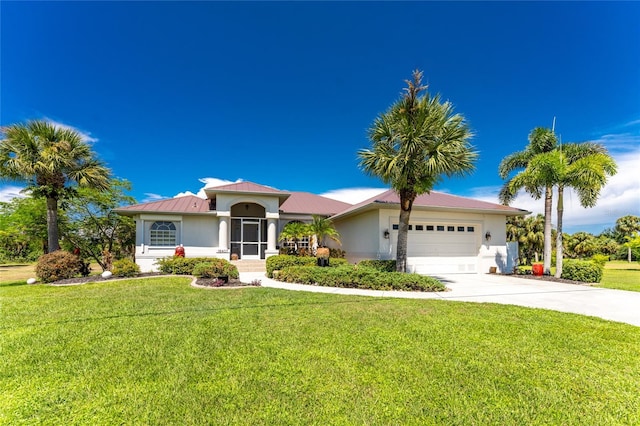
x,y
614,305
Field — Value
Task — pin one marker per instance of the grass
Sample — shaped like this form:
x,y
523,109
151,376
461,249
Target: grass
x,y
156,351
621,275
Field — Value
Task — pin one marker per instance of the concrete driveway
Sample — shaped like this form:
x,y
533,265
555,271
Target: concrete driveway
x,y
614,305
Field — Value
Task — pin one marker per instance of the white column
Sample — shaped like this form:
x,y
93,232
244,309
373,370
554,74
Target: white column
x,y
271,234
223,233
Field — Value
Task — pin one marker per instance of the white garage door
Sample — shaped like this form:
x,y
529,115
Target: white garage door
x,y
441,247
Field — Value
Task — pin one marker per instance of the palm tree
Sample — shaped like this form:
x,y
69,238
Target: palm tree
x,y
626,228
293,232
52,161
583,167
417,141
322,227
534,176
529,233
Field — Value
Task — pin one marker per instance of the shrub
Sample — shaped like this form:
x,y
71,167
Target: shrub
x,y
184,265
125,268
357,277
201,267
600,259
379,265
58,265
281,261
212,268
582,270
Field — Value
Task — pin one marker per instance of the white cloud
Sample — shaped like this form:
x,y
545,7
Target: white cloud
x,y
8,193
86,136
151,197
620,197
189,193
353,195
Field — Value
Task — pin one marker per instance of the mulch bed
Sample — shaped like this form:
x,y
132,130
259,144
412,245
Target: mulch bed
x,y
214,282
550,278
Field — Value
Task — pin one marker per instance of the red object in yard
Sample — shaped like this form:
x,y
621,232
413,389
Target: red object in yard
x,y
538,269
179,251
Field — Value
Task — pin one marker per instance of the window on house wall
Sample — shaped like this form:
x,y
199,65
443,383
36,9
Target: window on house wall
x,y
162,234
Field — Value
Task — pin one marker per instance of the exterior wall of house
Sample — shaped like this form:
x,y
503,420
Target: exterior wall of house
x,y
360,236
198,234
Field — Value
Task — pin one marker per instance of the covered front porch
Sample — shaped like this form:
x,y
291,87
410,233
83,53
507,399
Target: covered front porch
x,y
247,220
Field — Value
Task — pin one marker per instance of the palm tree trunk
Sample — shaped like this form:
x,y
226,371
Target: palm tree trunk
x,y
52,224
548,197
559,249
406,203
403,231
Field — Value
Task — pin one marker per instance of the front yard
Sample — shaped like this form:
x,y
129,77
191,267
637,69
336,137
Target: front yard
x,y
156,351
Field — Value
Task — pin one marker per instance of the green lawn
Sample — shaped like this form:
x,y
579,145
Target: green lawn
x,y
156,351
621,275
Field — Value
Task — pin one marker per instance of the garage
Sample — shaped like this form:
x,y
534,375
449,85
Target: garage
x,y
441,247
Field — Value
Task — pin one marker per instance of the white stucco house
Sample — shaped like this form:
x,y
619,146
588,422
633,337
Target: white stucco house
x,y
448,234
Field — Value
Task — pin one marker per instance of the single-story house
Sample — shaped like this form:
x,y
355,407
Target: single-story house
x,y
447,233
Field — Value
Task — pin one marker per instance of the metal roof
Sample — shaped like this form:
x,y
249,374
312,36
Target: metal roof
x,y
305,202
186,204
433,201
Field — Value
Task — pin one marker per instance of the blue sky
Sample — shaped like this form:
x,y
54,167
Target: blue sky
x,y
176,95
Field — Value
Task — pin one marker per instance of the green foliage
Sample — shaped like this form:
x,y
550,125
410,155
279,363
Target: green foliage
x,y
529,233
53,161
125,268
349,276
23,229
186,266
378,265
415,143
214,268
58,265
281,261
322,227
600,259
95,228
582,270
293,232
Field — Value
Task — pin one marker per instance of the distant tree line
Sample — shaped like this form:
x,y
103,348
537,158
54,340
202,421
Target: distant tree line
x,y
622,242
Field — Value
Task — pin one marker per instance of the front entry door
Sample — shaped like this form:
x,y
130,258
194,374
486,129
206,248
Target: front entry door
x,y
250,240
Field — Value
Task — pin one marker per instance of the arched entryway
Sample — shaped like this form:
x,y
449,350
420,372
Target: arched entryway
x,y
248,231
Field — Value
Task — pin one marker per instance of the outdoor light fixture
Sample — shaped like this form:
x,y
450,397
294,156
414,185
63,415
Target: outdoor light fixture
x,y
386,234
487,236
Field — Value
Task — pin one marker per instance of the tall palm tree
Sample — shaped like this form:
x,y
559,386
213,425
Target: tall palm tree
x,y
52,161
535,176
417,141
585,168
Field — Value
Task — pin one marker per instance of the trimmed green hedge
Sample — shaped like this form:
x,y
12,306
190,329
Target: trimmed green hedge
x,y
214,268
379,265
585,271
186,265
349,276
281,261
